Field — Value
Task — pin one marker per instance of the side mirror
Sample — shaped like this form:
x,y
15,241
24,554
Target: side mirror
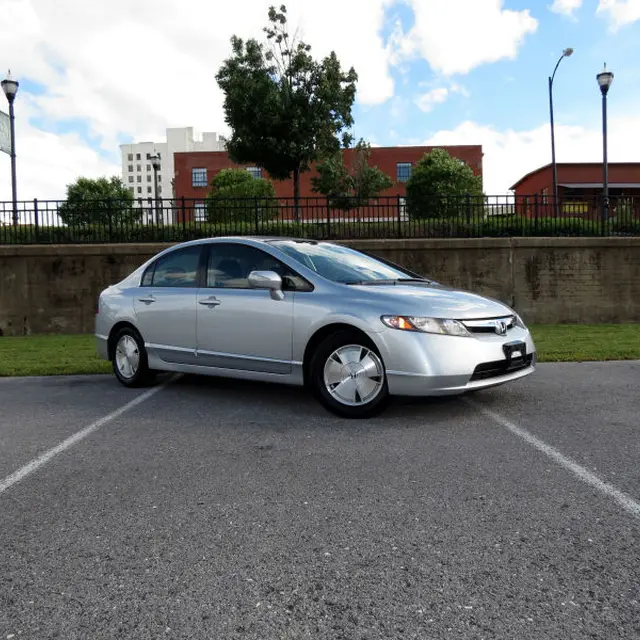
x,y
269,280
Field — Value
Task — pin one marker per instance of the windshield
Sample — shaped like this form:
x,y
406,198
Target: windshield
x,y
339,264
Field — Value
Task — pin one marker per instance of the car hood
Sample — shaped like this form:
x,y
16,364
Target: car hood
x,y
432,301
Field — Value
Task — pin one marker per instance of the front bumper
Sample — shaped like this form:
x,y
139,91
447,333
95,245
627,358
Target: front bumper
x,y
420,364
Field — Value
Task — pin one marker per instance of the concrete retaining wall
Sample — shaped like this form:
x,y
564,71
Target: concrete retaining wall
x,y
54,288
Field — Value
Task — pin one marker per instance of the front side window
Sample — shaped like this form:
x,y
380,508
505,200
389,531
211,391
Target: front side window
x,y
177,269
230,265
256,172
340,264
199,177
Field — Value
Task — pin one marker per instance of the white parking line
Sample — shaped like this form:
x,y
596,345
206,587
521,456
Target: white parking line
x,y
624,500
38,462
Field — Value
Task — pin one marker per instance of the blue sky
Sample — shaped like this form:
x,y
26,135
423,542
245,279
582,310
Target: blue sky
x,y
513,93
94,75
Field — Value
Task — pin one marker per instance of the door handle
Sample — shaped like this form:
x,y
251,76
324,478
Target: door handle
x,y
209,302
147,300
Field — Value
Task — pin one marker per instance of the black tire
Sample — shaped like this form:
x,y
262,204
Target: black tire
x,y
320,359
142,375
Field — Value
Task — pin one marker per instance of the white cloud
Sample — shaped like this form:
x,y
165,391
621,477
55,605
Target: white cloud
x,y
457,36
509,155
619,12
427,101
47,162
566,7
134,68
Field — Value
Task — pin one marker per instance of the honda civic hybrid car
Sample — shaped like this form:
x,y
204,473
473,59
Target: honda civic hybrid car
x,y
354,328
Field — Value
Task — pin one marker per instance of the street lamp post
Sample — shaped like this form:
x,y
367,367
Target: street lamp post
x,y
605,78
565,54
10,88
155,163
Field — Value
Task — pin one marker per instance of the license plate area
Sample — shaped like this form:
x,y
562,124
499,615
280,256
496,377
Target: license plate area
x,y
515,352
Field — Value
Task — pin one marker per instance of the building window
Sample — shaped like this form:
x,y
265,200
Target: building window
x,y
159,189
148,189
403,171
148,167
137,156
139,189
139,178
130,168
138,168
256,172
130,178
130,157
199,177
545,196
148,156
148,177
159,178
200,213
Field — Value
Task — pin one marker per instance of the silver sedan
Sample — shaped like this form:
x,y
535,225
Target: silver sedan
x,y
354,328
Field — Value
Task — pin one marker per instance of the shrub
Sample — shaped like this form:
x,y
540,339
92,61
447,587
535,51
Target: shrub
x,y
236,196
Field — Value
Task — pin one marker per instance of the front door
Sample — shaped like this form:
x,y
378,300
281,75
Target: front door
x,y
165,305
238,327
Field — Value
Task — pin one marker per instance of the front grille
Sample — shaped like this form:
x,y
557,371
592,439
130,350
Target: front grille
x,y
490,325
498,368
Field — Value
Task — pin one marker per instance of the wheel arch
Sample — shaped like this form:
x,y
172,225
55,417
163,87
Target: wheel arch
x,y
323,332
111,340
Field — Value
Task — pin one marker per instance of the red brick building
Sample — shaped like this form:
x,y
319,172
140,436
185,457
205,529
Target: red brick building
x,y
194,171
580,186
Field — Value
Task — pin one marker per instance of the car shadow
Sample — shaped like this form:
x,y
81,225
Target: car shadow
x,y
285,401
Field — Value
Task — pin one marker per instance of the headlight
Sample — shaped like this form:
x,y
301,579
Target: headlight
x,y
427,325
519,322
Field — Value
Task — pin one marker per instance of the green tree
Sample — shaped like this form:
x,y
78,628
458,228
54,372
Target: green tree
x,y
101,201
237,196
284,108
437,186
350,187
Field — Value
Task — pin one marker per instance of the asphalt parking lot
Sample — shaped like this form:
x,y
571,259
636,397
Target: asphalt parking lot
x,y
219,509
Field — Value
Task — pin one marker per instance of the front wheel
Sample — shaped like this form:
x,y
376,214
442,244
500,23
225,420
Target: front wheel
x,y
348,376
130,363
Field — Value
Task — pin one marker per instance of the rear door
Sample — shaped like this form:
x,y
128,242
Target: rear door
x,y
165,305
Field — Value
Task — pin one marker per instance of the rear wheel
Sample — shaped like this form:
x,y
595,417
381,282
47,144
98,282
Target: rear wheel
x,y
130,363
348,376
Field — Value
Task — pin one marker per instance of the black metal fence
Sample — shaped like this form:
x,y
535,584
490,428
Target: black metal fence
x,y
440,216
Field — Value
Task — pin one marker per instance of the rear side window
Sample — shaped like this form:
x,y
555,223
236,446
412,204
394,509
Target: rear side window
x,y
177,269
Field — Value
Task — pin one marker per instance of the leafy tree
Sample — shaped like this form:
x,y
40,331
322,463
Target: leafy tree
x,y
437,186
98,201
350,187
284,108
237,196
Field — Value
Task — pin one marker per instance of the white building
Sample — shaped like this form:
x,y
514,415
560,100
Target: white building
x,y
137,172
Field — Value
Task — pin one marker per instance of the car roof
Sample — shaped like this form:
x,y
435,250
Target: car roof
x,y
255,239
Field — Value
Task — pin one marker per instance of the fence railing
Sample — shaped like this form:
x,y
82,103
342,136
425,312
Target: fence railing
x,y
438,216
